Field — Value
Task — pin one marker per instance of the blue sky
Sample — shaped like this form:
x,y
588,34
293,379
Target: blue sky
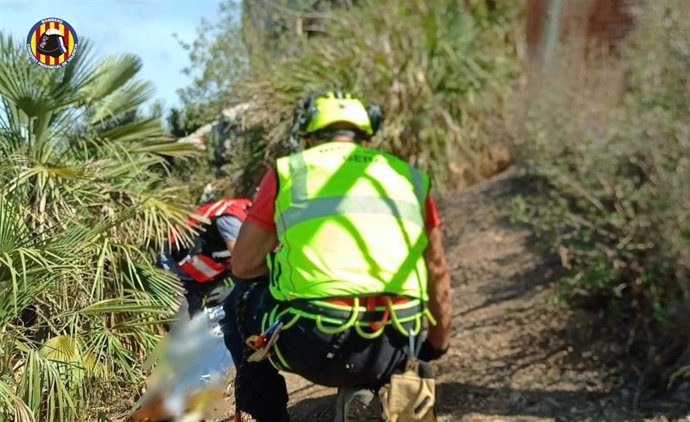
x,y
142,27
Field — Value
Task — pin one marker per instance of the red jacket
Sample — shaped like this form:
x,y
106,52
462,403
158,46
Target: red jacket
x,y
209,256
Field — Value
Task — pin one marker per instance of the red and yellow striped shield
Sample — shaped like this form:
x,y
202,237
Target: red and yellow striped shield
x,y
52,43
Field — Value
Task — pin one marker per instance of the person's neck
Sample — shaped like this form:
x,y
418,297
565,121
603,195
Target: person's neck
x,y
345,139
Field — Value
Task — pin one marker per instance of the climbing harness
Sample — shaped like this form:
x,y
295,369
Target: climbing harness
x,y
411,393
368,316
262,343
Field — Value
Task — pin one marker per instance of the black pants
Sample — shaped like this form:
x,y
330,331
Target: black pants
x,y
335,360
196,292
191,302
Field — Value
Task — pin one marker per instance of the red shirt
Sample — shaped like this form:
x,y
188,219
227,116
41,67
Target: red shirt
x,y
261,213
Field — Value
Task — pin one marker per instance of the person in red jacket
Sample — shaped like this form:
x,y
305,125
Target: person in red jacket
x,y
204,267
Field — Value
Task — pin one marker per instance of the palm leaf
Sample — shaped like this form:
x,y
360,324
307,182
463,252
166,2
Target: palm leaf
x,y
83,200
135,131
112,73
125,99
11,406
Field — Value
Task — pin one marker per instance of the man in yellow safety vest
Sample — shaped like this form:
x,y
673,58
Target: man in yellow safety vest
x,y
343,250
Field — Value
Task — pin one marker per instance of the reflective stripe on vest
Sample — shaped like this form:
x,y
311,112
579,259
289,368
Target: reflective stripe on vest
x,y
201,268
298,172
350,221
303,210
221,254
340,205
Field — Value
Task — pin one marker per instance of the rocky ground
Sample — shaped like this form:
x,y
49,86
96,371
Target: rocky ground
x,y
515,355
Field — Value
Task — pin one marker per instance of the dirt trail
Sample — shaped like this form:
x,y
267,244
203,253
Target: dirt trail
x,y
515,356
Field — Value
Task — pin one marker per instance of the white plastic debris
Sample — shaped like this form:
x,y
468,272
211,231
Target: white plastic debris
x,y
192,363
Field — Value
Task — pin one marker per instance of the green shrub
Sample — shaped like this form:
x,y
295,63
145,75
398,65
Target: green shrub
x,y
441,71
612,142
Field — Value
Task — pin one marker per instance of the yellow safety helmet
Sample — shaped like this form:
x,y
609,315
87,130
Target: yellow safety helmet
x,y
321,111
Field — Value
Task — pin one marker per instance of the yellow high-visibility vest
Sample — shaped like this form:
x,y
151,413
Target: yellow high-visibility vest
x,y
350,222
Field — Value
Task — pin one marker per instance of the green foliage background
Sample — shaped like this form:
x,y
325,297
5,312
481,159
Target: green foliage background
x,y
612,143
84,202
441,70
87,192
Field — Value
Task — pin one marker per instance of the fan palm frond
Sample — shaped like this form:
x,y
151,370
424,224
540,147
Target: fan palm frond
x,y
83,207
